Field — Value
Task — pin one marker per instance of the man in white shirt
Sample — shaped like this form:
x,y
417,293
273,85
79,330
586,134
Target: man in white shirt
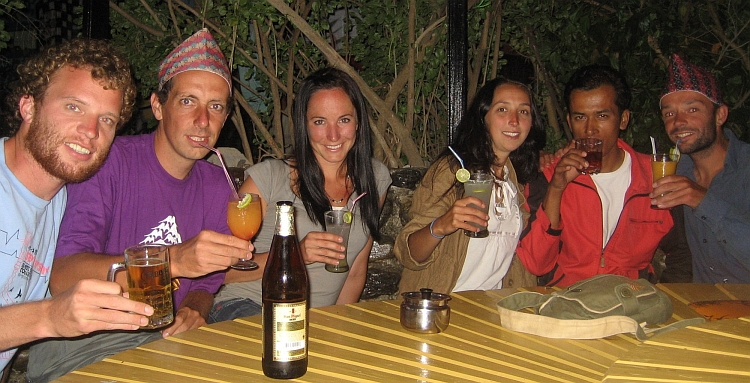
x,y
601,223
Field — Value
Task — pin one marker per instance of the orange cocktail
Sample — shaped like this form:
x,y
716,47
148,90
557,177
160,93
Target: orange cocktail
x,y
244,221
662,165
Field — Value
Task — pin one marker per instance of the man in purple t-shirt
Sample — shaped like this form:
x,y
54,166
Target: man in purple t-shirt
x,y
153,188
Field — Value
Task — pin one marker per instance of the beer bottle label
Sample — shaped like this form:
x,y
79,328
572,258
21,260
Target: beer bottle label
x,y
289,335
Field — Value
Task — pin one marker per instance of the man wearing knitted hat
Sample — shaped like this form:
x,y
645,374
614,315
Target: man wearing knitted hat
x,y
153,189
713,180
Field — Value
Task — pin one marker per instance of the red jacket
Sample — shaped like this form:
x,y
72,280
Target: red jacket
x,y
577,250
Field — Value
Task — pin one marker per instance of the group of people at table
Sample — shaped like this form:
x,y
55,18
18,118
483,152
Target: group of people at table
x,y
72,192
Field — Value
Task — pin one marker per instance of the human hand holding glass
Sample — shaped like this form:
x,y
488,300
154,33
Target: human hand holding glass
x,y
244,216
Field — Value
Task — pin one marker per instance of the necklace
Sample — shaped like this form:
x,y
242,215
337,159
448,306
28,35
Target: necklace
x,y
346,193
337,201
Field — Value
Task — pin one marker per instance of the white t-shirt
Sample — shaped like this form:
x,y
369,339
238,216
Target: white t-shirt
x,y
488,259
611,188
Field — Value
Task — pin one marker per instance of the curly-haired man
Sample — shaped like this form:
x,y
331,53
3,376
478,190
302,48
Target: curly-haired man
x,y
68,104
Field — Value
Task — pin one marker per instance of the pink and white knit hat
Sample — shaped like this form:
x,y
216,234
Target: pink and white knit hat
x,y
685,76
198,52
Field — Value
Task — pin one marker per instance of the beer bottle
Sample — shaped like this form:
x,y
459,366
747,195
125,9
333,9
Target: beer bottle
x,y
285,294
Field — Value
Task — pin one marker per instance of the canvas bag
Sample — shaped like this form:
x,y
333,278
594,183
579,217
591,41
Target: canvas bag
x,y
596,307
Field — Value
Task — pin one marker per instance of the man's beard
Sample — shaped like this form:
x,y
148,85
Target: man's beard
x,y
705,139
43,142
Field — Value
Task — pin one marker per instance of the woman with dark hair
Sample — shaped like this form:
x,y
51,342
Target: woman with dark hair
x,y
332,164
499,134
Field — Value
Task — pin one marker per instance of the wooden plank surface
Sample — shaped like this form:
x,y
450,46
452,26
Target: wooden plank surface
x,y
365,342
717,351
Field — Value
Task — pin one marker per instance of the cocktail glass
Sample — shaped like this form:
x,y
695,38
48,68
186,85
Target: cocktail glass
x,y
244,223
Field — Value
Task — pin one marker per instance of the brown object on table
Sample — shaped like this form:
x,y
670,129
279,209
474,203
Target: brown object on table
x,y
722,309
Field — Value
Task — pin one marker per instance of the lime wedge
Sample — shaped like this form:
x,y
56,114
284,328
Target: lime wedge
x,y
245,201
674,154
347,217
462,175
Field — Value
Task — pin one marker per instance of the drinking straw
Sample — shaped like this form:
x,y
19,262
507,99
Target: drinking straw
x,y
457,157
653,144
355,201
223,166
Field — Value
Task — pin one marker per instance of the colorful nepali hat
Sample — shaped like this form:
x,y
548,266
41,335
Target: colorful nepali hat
x,y
198,52
685,76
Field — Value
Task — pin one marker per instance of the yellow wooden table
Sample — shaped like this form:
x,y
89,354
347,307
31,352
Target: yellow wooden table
x,y
365,342
716,351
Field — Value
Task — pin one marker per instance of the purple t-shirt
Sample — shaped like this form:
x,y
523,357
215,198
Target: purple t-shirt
x,y
133,200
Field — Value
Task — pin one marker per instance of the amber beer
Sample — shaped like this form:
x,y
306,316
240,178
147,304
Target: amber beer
x,y
285,292
149,281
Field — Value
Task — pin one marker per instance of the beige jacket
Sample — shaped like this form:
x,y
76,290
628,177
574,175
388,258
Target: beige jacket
x,y
433,197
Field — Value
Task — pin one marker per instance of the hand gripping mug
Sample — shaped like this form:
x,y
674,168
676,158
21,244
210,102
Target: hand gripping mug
x,y
149,281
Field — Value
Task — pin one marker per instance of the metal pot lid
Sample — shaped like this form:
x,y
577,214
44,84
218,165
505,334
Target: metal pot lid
x,y
426,298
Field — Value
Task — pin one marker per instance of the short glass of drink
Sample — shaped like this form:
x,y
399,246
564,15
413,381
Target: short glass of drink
x,y
662,165
479,186
339,222
149,281
593,148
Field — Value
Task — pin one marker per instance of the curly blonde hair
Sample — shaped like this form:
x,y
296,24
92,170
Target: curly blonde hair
x,y
107,65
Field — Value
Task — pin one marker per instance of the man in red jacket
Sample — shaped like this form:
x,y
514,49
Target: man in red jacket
x,y
601,223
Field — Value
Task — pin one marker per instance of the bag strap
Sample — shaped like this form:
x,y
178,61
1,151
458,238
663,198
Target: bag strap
x,y
549,327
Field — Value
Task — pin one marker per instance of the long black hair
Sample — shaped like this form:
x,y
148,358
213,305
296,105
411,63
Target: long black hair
x,y
474,144
310,182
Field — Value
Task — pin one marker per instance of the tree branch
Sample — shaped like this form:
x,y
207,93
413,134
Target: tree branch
x,y
719,32
259,126
410,148
153,15
135,22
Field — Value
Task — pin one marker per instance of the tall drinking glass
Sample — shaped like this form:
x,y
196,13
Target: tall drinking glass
x,y
479,186
339,222
244,222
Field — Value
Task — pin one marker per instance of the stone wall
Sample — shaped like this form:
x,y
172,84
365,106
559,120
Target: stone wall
x,y
384,270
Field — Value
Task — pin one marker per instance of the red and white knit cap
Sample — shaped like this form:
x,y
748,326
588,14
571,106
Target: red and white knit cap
x,y
198,52
684,76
